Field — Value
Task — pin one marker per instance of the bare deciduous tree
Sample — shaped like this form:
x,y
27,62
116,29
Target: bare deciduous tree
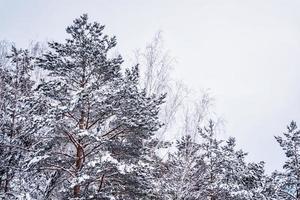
x,y
156,67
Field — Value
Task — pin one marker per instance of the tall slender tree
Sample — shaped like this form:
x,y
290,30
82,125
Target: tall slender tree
x,y
16,106
97,119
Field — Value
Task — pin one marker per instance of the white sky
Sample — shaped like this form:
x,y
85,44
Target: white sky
x,y
246,52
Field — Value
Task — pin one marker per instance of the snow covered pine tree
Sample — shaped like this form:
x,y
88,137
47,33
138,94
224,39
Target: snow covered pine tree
x,y
16,117
96,122
289,180
209,169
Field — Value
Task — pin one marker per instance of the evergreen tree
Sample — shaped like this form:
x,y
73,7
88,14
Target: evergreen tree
x,y
180,170
211,169
290,178
16,127
97,120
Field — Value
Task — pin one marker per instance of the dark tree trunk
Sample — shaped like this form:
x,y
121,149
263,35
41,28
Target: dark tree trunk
x,y
79,163
79,155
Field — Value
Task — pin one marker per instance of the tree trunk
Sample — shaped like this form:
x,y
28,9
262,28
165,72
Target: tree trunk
x,y
79,155
79,163
6,185
298,192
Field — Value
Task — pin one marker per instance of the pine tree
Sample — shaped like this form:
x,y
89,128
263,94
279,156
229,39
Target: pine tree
x,y
212,174
211,169
290,178
16,106
96,120
180,169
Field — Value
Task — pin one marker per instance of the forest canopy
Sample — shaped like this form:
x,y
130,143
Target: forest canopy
x,y
76,124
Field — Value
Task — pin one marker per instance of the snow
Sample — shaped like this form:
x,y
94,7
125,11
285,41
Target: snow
x,y
125,168
37,159
107,157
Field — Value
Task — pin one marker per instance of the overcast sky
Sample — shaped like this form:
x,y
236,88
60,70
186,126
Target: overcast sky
x,y
246,52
